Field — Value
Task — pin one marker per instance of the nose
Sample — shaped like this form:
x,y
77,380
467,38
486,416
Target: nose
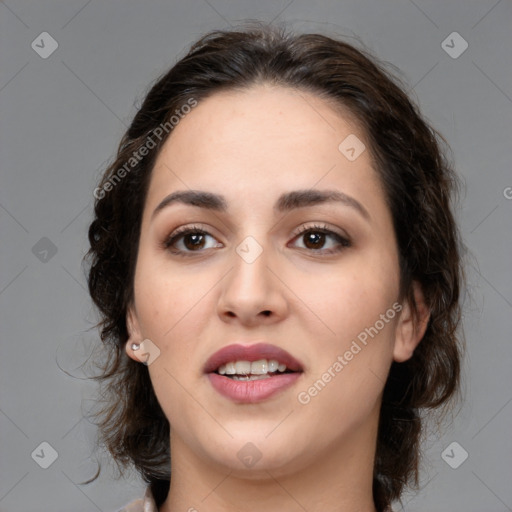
x,y
253,293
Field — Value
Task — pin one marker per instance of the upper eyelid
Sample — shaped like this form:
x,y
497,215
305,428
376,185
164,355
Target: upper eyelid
x,y
303,227
324,227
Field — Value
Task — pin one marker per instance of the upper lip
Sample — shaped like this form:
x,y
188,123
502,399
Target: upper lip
x,y
251,353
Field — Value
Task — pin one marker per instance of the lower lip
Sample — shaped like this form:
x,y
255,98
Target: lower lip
x,y
252,391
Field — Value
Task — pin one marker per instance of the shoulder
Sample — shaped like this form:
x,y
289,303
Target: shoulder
x,y
144,504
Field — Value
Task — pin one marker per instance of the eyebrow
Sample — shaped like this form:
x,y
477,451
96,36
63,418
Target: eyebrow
x,y
285,203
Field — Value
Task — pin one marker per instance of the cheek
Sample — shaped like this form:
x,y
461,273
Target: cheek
x,y
349,374
342,301
167,298
355,335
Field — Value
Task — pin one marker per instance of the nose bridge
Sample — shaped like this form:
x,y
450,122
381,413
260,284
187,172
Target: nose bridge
x,y
250,266
251,286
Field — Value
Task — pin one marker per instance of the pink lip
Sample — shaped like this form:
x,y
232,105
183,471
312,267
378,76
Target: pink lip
x,y
251,353
252,391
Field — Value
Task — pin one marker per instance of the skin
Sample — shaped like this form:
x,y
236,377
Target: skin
x,y
252,146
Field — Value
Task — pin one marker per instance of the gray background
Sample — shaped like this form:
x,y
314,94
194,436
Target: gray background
x,y
61,120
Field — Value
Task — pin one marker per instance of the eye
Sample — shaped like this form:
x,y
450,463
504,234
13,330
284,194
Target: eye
x,y
187,239
193,239
315,238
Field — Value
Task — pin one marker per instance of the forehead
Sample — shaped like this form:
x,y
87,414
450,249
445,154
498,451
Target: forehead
x,y
262,139
245,123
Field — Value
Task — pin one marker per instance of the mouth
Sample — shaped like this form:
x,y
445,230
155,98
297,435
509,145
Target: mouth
x,y
255,370
248,374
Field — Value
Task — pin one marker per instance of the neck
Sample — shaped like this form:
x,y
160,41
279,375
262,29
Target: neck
x,y
338,480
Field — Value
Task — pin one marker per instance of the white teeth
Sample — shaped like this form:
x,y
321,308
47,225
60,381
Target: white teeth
x,y
259,367
245,368
230,368
273,365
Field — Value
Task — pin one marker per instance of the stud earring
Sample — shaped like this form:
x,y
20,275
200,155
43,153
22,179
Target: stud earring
x,y
135,346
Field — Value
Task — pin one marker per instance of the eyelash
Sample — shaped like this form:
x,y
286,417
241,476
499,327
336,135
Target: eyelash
x,y
181,232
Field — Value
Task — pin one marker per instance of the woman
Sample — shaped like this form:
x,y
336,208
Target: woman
x,y
277,266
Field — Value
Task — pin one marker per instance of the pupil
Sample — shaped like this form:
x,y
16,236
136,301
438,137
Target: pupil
x,y
197,240
315,239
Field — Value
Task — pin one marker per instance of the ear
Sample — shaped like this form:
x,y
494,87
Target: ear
x,y
134,332
411,327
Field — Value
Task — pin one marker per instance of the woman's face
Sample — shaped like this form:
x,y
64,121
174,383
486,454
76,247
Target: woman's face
x,y
328,297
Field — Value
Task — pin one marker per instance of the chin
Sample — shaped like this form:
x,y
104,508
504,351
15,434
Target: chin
x,y
253,456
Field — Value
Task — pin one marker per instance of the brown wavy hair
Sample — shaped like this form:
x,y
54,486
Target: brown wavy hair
x,y
419,183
